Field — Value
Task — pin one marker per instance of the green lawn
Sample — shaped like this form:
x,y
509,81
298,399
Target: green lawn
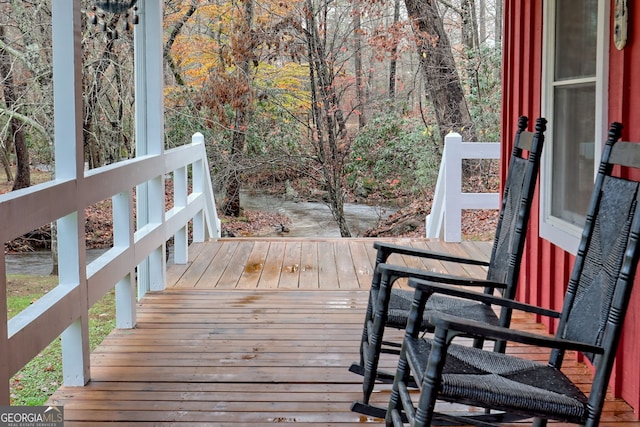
x,y
35,383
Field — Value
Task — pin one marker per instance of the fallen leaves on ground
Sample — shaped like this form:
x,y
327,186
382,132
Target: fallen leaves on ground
x,y
252,223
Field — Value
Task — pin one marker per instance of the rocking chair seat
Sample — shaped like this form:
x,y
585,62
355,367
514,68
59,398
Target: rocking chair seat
x,y
400,306
510,384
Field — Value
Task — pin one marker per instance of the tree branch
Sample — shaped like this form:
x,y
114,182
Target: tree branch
x,y
26,120
166,52
16,53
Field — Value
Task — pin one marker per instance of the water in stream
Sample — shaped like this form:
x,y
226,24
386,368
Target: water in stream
x,y
312,219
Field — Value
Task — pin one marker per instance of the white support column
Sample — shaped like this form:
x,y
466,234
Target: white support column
x,y
149,96
67,89
69,164
154,75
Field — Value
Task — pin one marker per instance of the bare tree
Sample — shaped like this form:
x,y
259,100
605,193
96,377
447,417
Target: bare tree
x,y
329,124
25,79
16,129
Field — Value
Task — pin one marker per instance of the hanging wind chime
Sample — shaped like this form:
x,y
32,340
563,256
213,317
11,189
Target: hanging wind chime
x,y
114,7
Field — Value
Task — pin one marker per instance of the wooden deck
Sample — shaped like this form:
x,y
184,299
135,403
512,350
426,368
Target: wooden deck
x,y
253,332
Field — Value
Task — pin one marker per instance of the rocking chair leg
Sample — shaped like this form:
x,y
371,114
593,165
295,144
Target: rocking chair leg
x,y
539,422
382,376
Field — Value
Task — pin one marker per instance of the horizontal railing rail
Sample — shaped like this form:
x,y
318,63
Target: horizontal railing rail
x,y
445,219
82,284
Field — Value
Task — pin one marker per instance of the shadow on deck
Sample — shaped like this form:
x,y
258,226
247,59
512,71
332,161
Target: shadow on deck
x,y
252,332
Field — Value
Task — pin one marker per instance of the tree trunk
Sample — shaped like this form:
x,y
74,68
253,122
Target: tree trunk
x,y
357,58
442,81
244,49
482,21
469,25
498,23
393,64
6,164
232,201
23,172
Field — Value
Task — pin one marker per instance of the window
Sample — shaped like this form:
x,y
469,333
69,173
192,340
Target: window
x,y
574,105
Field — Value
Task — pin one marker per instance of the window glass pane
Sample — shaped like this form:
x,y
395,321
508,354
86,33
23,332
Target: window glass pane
x,y
576,38
573,151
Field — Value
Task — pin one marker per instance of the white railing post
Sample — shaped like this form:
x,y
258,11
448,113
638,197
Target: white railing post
x,y
453,188
157,259
206,223
180,239
122,206
5,371
436,217
199,221
449,200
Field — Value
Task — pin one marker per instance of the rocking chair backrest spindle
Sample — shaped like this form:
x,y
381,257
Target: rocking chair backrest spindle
x,y
511,230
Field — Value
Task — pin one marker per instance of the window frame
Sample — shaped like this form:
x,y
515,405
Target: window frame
x,y
556,230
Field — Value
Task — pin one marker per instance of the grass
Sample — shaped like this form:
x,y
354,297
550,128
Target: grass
x,y
36,382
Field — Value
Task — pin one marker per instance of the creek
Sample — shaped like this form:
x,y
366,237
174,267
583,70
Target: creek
x,y
308,219
314,219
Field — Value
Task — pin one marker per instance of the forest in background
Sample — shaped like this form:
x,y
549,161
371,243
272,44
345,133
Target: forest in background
x,y
339,100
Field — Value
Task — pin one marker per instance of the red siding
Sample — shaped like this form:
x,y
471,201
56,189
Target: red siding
x,y
521,89
546,267
624,106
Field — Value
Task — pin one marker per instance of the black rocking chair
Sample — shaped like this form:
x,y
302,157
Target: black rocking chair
x,y
391,306
590,323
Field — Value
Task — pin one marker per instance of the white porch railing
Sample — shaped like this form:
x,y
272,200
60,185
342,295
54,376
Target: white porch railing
x,y
449,200
64,310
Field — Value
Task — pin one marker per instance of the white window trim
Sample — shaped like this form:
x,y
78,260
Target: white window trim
x,y
561,233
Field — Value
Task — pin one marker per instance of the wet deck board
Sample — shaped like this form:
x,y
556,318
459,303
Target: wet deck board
x,y
305,264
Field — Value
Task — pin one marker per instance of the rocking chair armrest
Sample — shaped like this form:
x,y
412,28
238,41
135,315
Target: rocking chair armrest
x,y
395,272
390,248
431,287
454,325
